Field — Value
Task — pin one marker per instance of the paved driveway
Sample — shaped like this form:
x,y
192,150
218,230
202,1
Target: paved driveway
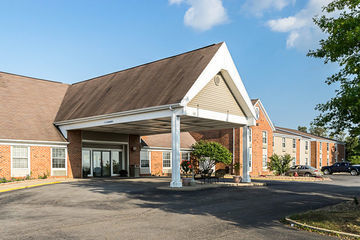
x,y
126,209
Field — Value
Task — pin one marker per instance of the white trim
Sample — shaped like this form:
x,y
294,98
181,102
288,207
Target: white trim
x,y
162,160
266,114
289,136
31,142
117,114
224,117
66,157
165,149
104,142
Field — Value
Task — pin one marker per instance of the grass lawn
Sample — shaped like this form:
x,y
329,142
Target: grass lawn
x,y
344,217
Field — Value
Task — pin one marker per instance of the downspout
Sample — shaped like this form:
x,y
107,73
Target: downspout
x,y
233,150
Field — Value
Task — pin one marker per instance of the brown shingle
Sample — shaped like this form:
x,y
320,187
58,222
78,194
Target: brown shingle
x,y
28,107
157,83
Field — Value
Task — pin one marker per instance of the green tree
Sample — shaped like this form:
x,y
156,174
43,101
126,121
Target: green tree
x,y
302,129
318,131
353,149
279,164
211,153
342,46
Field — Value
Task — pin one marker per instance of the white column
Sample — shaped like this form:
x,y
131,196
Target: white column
x,y
175,144
246,176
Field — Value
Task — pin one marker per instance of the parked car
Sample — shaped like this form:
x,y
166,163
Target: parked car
x,y
341,167
303,170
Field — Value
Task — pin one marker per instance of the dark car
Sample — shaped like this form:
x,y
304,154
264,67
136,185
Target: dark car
x,y
303,170
340,167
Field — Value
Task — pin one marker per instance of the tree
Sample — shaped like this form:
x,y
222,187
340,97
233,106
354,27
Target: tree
x,y
210,153
280,164
353,149
302,129
318,131
342,46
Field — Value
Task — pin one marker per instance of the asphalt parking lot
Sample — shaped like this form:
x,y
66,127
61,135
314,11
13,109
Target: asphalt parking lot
x,y
138,209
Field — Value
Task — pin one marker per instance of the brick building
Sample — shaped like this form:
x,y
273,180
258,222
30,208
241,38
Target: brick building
x,y
92,128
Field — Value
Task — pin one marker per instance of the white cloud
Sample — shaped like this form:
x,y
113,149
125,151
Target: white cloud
x,y
203,14
258,7
302,32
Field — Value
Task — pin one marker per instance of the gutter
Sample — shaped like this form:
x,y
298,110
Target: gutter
x,y
119,114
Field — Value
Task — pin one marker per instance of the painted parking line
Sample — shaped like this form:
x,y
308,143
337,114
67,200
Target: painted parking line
x,y
29,186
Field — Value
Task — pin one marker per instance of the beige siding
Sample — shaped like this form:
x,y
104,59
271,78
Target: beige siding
x,y
279,150
303,153
217,98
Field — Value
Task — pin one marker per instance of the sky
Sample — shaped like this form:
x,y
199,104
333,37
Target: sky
x,y
71,41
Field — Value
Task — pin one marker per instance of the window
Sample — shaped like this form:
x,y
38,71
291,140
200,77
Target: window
x,y
273,143
264,159
257,113
320,146
250,159
264,137
335,147
306,161
327,161
306,145
250,136
320,163
294,161
294,143
327,147
283,142
20,157
185,156
144,159
166,159
58,157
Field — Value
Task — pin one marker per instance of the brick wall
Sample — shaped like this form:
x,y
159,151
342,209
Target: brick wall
x,y
134,156
341,152
5,161
314,146
156,163
74,154
40,161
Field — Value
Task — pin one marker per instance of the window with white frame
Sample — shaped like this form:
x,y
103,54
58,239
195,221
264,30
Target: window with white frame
x,y
257,113
320,146
306,161
327,161
185,156
335,147
264,159
273,143
283,142
58,158
294,143
20,157
320,163
306,145
250,159
294,161
264,137
166,159
144,159
327,147
250,137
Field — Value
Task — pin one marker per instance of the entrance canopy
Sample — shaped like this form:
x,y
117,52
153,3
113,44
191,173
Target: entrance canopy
x,y
195,91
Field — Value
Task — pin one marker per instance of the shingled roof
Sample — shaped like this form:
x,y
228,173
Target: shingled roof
x,y
297,132
28,108
158,83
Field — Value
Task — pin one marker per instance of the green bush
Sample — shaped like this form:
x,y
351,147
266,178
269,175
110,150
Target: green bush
x,y
279,164
211,153
354,159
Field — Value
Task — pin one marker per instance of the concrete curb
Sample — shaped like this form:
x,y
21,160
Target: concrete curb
x,y
29,186
289,220
292,180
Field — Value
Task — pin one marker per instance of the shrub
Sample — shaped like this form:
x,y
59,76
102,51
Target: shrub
x,y
280,164
210,153
186,166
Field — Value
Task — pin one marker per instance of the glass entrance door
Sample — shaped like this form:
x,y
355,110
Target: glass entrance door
x,y
97,163
101,164
106,166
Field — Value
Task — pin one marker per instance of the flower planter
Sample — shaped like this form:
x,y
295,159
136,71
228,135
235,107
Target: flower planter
x,y
237,179
186,181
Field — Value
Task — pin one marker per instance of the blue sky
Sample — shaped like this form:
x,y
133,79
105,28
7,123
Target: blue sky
x,y
70,41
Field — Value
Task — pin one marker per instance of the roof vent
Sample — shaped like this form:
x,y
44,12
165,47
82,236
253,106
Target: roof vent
x,y
217,80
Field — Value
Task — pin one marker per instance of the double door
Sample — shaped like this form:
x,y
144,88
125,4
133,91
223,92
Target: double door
x,y
101,163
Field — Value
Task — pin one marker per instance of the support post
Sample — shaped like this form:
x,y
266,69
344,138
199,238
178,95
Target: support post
x,y
246,176
175,144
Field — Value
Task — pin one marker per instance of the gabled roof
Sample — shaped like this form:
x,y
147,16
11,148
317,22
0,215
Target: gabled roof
x,y
164,140
288,133
158,83
300,133
257,101
28,108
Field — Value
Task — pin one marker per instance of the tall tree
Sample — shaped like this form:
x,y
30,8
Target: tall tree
x,y
353,149
318,131
342,46
302,129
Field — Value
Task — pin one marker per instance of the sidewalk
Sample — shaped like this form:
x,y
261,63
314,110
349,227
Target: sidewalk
x,y
5,187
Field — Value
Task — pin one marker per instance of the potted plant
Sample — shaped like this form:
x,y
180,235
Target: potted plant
x,y
237,178
186,168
